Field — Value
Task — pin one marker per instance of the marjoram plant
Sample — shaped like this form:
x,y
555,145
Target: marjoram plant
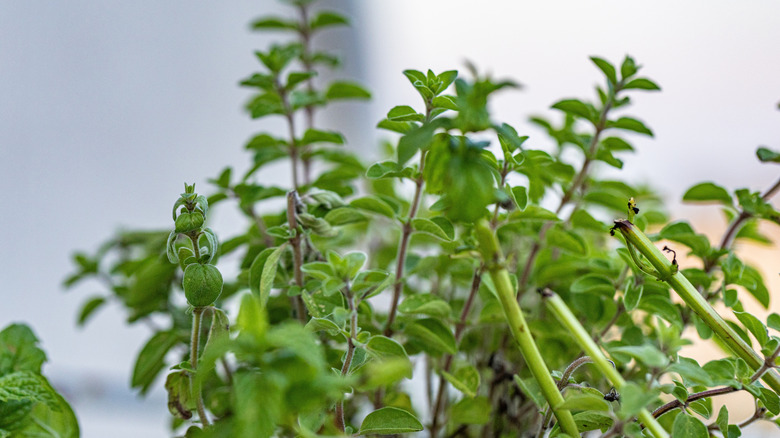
x,y
432,292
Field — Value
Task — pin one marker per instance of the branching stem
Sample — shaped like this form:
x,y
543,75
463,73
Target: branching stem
x,y
568,195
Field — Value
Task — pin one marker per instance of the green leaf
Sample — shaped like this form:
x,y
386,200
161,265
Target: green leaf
x,y
465,379
584,401
374,204
583,219
686,426
641,84
438,227
616,144
89,308
628,68
25,385
633,398
404,113
317,136
425,304
346,90
707,192
595,284
520,196
646,354
754,283
344,216
770,400
773,321
386,372
471,411
252,321
755,326
388,421
577,108
151,359
447,102
323,325
415,139
632,296
533,212
592,420
433,334
766,155
269,273
19,350
530,388
50,421
382,347
567,240
388,169
274,23
630,124
606,67
327,19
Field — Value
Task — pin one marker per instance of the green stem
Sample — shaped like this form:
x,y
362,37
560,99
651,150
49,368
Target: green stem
x,y
695,300
494,262
565,317
295,242
340,421
197,316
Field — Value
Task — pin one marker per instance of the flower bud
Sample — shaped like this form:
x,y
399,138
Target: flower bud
x,y
202,284
187,222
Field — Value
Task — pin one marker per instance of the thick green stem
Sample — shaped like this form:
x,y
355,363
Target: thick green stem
x,y
695,300
197,316
583,338
494,262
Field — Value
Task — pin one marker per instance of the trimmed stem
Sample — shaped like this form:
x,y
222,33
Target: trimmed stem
x,y
564,315
695,300
403,246
494,261
197,316
292,222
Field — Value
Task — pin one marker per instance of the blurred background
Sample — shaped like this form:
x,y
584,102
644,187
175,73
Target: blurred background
x,y
107,107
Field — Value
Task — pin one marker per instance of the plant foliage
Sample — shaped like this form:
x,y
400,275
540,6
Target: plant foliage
x,y
385,298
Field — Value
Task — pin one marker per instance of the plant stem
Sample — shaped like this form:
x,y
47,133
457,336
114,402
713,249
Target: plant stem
x,y
579,180
743,216
292,147
695,300
674,404
295,241
340,423
304,31
197,316
567,319
406,232
459,327
494,262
